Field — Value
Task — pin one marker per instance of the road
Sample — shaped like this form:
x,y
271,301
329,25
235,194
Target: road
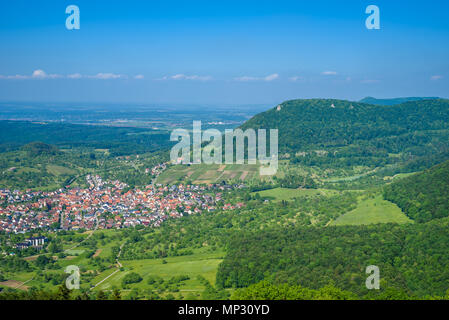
x,y
22,284
119,265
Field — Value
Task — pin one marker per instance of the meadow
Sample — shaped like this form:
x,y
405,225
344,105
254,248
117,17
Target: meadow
x,y
280,194
152,271
373,210
179,276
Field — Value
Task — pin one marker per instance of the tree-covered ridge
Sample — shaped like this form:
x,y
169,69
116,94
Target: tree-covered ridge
x,y
369,129
39,148
411,258
265,290
43,167
393,101
423,196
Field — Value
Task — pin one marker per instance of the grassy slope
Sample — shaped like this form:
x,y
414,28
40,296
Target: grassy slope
x,y
371,211
394,101
423,196
280,194
204,264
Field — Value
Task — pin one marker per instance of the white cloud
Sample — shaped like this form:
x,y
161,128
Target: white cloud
x,y
74,76
271,77
40,74
98,76
139,77
15,77
106,76
181,76
268,78
436,77
246,78
329,73
37,74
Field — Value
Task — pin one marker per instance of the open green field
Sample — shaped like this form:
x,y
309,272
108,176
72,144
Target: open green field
x,y
204,173
279,194
192,266
75,251
203,263
403,175
27,170
372,211
58,170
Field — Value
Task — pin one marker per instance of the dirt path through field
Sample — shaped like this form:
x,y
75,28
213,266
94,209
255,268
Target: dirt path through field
x,y
14,284
97,253
119,265
244,174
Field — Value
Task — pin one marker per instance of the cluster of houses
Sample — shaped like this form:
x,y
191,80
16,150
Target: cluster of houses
x,y
34,242
157,170
106,205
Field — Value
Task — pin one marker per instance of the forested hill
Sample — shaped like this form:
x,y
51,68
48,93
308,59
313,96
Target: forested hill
x,y
393,101
327,123
119,140
411,257
423,196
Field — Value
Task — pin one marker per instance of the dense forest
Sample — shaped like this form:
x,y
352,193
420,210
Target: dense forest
x,y
316,122
265,290
422,196
412,258
261,291
393,101
335,133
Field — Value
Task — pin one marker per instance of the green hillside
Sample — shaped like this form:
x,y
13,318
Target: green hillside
x,y
372,210
423,196
44,167
304,124
411,257
333,134
393,101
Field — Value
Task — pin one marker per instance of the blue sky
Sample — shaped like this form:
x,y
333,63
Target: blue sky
x,y
222,52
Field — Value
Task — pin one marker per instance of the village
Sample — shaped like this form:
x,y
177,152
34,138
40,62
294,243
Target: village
x,y
106,205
